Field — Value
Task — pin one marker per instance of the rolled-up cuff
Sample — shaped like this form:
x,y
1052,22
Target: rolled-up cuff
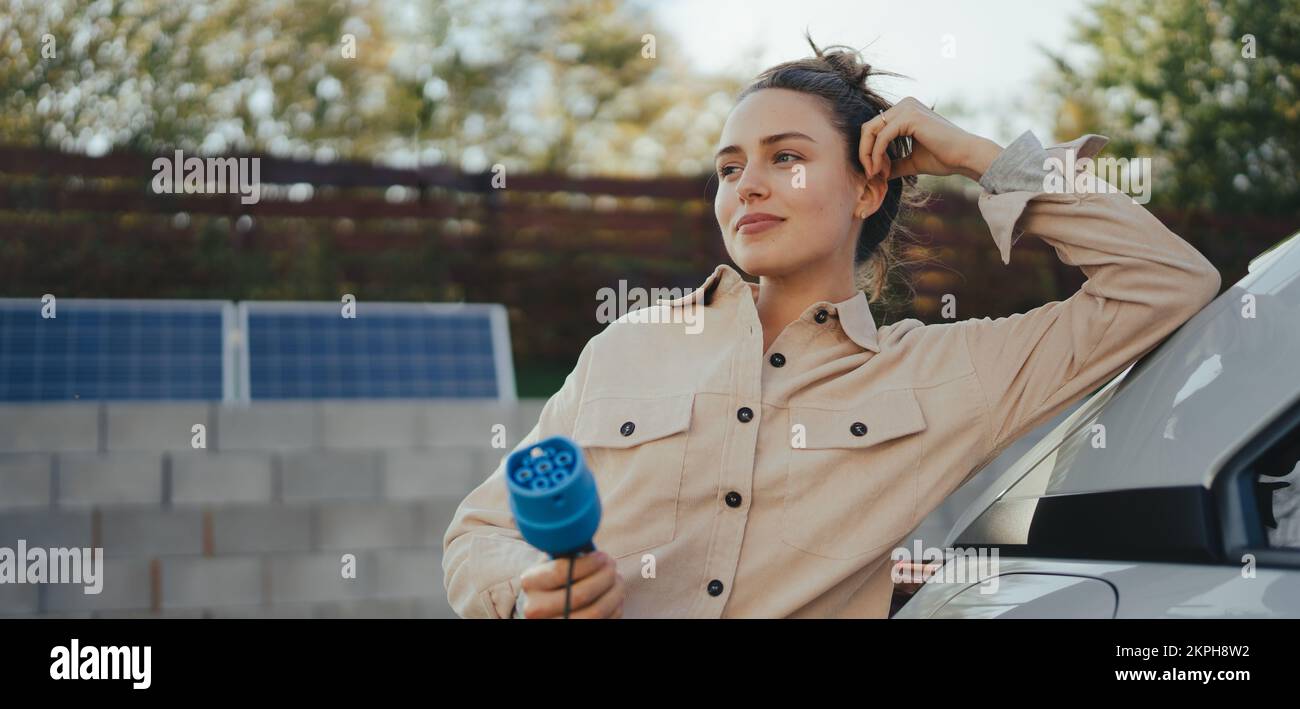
x,y
1018,176
1001,213
1018,168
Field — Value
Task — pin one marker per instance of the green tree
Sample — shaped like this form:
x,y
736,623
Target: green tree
x,y
217,77
1207,88
571,86
537,85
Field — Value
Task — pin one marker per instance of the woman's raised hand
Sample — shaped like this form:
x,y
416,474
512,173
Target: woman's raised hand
x,y
938,146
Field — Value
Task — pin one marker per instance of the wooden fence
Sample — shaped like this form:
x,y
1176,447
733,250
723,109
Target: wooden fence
x,y
92,227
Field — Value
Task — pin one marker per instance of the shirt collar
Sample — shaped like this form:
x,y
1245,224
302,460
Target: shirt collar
x,y
854,313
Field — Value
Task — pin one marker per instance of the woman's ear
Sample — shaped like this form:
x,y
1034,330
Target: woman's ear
x,y
873,192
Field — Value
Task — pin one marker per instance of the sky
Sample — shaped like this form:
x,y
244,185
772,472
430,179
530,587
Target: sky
x,y
982,54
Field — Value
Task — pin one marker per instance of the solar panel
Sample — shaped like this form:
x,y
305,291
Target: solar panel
x,y
114,349
297,350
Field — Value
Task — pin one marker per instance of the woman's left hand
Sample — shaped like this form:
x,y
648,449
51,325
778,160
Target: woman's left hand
x,y
914,575
938,146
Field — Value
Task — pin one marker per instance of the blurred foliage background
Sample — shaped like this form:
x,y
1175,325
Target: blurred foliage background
x,y
561,89
1206,89
542,85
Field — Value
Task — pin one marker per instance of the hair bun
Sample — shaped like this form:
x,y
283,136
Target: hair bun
x,y
847,64
845,61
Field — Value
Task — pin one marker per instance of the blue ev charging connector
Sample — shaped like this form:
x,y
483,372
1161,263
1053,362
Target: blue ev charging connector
x,y
553,497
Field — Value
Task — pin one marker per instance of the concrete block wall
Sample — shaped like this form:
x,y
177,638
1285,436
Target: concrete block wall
x,y
257,523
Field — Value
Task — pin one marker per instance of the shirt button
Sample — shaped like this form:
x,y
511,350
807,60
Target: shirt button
x,y
822,315
745,414
777,359
627,428
715,588
858,428
733,499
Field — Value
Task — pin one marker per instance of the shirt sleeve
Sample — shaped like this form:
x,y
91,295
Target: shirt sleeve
x,y
1019,167
484,553
1143,282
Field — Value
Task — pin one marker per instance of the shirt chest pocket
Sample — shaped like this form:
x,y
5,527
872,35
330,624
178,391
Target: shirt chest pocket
x,y
636,449
851,479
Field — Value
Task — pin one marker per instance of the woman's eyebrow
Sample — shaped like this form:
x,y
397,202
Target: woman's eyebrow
x,y
764,141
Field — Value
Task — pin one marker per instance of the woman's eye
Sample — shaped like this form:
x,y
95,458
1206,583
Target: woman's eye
x,y
723,171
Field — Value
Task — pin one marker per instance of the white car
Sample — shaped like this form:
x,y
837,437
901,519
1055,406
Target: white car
x,y
1172,492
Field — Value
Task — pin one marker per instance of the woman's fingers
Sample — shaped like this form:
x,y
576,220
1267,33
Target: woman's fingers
x,y
550,604
902,168
915,573
880,131
609,605
552,574
891,130
868,141
884,169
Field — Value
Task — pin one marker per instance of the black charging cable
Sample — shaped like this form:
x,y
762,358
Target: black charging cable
x,y
568,585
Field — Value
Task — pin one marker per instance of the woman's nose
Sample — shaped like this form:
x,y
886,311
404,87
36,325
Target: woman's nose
x,y
752,184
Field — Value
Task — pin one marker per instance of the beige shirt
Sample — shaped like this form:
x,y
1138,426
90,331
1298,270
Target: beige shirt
x,y
775,484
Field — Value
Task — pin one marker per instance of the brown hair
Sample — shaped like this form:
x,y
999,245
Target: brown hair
x,y
838,76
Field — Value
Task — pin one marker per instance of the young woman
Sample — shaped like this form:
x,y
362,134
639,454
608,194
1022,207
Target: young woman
x,y
766,464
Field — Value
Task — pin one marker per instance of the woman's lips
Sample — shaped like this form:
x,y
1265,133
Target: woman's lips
x,y
757,227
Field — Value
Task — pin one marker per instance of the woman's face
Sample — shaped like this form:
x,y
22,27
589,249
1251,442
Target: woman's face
x,y
802,177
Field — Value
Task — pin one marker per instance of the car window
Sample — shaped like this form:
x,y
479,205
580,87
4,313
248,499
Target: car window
x,y
1276,480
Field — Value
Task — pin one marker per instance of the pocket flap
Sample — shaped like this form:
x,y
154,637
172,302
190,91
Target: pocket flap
x,y
623,422
883,416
